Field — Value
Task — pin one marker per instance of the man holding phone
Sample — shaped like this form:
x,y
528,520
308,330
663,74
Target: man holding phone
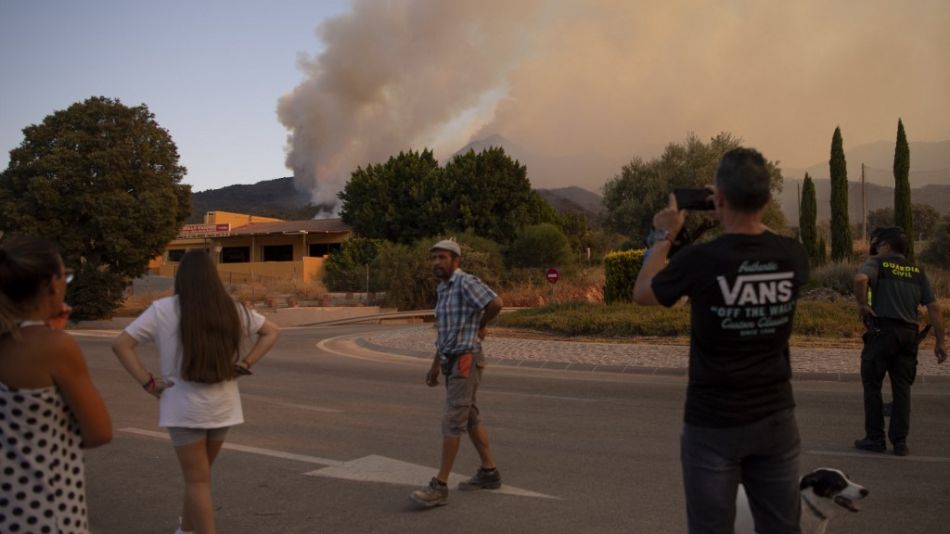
x,y
739,422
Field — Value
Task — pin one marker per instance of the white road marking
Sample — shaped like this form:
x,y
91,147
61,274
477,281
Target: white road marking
x,y
378,357
268,400
375,468
541,396
243,448
881,456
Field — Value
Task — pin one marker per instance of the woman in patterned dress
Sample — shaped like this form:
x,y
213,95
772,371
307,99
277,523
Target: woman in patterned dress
x,y
49,407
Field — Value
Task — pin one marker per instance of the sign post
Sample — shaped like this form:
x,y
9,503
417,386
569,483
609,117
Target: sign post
x,y
553,276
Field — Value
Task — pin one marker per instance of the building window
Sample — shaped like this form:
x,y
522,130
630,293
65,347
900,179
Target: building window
x,y
279,253
176,254
319,250
235,254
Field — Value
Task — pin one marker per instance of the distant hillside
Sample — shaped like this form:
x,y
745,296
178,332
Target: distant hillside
x,y
936,196
263,198
575,200
929,164
279,198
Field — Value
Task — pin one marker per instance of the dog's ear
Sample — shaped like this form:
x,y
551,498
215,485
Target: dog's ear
x,y
810,480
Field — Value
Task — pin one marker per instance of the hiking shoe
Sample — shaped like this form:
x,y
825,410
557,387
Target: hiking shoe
x,y
435,494
900,449
871,445
483,479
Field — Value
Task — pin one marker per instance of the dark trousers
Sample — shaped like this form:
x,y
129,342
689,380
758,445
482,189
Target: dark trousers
x,y
763,456
890,348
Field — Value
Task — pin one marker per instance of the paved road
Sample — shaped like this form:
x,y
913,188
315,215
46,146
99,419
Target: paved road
x,y
337,435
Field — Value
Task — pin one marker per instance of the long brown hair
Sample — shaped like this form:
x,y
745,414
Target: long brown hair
x,y
210,327
26,263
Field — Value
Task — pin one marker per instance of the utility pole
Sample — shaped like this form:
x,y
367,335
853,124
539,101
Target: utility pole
x,y
798,196
864,209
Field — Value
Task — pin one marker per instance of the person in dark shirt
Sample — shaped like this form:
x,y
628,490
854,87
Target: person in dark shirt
x,y
889,310
739,423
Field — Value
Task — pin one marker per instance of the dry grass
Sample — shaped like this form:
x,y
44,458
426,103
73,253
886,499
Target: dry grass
x,y
287,289
274,293
533,289
939,282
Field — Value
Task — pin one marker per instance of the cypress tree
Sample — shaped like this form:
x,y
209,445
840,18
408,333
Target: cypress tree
x,y
840,227
903,215
807,215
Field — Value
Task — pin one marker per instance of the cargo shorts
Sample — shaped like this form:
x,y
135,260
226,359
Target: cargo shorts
x,y
463,372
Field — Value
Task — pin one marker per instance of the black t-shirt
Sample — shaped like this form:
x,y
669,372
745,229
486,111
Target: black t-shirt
x,y
742,291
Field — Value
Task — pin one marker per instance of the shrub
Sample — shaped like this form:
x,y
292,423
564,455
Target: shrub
x,y
346,270
838,277
585,319
820,319
406,273
937,252
541,245
620,273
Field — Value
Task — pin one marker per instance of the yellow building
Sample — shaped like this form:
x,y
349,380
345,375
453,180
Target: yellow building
x,y
249,247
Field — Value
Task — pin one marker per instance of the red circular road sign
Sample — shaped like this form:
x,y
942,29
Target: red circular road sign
x,y
552,275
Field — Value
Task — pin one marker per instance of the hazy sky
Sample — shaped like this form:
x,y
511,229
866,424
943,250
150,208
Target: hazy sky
x,y
580,86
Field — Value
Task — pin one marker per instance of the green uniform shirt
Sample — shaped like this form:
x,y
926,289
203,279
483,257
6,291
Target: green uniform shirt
x,y
897,287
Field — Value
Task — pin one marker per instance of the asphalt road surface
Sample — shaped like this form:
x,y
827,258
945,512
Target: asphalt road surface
x,y
335,439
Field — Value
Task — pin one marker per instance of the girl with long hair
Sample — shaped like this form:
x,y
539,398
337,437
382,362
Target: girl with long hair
x,y
199,332
49,407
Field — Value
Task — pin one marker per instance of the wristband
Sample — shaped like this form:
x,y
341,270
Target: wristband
x,y
150,384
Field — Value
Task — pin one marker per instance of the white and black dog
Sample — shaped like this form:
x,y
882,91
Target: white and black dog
x,y
824,491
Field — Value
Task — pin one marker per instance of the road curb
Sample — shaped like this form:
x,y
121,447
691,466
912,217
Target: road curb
x,y
624,369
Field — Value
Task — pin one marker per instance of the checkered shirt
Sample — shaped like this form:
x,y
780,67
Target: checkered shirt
x,y
458,311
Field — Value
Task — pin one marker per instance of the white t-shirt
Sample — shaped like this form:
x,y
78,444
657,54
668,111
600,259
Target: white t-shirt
x,y
189,404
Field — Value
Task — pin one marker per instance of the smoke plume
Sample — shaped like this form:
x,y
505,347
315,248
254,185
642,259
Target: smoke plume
x,y
584,86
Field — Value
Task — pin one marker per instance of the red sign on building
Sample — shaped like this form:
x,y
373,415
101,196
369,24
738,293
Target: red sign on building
x,y
197,231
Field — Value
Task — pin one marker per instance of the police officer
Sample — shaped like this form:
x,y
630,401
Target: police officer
x,y
889,310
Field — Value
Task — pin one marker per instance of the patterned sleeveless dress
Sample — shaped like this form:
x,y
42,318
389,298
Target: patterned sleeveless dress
x,y
42,480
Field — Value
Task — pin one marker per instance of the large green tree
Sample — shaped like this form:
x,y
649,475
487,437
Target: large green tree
x,y
642,188
491,195
841,245
808,219
410,197
903,213
401,200
101,180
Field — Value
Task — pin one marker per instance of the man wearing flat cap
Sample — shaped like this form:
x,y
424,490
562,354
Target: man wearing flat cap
x,y
463,307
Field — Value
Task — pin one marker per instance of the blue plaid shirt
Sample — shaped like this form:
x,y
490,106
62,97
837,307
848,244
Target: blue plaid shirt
x,y
458,311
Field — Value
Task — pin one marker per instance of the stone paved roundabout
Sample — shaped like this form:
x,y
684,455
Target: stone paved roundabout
x,y
808,362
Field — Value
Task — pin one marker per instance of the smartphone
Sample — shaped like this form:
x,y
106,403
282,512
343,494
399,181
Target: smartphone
x,y
699,199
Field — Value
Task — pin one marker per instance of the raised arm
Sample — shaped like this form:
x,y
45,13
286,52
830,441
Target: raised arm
x,y
669,220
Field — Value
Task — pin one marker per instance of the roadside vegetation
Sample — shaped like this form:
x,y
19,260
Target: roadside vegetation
x,y
826,311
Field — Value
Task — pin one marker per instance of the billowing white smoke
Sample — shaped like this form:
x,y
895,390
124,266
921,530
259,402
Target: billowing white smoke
x,y
585,85
392,76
